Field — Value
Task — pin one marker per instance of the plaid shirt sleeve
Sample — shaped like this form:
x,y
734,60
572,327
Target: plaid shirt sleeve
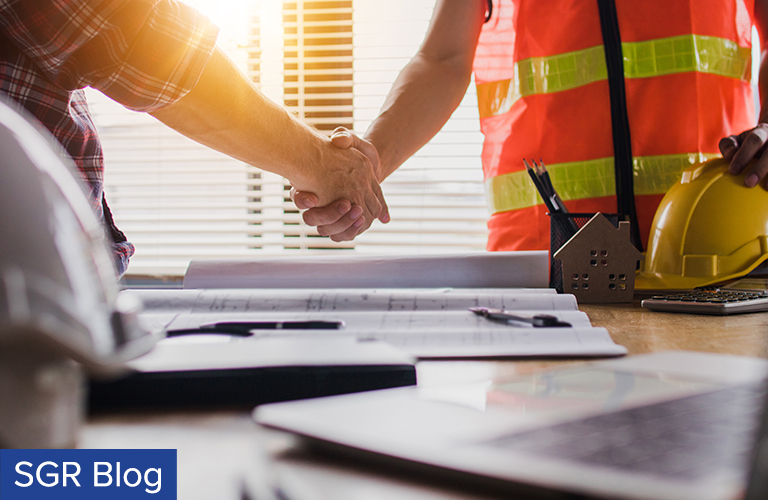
x,y
144,54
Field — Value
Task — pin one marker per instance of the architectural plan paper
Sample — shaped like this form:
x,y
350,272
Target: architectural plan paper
x,y
426,323
311,300
488,341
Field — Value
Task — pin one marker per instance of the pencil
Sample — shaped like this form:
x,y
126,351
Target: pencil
x,y
556,198
539,186
545,177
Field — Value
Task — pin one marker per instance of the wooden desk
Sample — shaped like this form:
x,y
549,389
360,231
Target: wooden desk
x,y
644,331
219,451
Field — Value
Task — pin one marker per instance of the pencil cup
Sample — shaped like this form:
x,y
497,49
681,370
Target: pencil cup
x,y
562,226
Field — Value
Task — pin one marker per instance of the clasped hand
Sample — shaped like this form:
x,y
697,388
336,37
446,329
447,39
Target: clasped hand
x,y
341,219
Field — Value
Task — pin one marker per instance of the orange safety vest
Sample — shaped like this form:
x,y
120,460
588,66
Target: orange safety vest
x,y
543,92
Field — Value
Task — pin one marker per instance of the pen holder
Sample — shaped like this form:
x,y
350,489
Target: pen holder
x,y
562,226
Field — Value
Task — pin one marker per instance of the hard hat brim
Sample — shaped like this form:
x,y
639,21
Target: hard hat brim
x,y
656,281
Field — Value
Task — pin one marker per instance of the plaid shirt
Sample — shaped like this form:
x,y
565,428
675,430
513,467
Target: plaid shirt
x,y
144,54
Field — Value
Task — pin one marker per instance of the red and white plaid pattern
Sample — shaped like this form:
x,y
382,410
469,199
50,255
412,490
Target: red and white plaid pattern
x,y
144,54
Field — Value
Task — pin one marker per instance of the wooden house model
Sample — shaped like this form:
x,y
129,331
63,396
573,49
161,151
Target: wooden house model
x,y
599,262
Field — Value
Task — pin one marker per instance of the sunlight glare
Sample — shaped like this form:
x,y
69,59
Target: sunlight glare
x,y
234,19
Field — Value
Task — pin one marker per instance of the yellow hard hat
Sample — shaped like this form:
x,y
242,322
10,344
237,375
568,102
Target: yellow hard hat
x,y
709,228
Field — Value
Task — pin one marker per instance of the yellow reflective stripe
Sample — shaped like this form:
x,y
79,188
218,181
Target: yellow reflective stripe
x,y
588,179
656,174
686,53
542,75
664,56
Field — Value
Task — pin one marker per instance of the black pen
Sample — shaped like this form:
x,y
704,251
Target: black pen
x,y
244,328
280,325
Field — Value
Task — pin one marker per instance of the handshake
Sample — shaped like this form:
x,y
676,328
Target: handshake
x,y
343,197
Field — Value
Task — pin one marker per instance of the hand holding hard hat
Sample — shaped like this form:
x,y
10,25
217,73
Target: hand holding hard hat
x,y
709,227
741,149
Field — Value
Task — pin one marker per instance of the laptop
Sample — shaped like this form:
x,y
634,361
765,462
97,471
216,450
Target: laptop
x,y
672,425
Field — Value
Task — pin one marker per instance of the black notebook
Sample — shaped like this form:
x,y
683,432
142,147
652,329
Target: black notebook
x,y
228,371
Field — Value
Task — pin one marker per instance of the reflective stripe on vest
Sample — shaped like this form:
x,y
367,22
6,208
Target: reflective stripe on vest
x,y
588,179
664,56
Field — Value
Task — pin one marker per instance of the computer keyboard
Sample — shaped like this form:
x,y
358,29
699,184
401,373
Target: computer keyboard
x,y
685,438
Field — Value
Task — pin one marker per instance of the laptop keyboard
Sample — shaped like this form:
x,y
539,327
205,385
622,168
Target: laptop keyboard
x,y
683,438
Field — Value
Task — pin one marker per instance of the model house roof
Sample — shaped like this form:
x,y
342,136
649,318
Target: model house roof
x,y
599,232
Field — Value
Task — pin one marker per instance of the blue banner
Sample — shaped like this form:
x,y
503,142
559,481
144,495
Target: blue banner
x,y
87,474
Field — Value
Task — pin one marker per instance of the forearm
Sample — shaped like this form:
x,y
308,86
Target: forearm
x,y
225,111
431,86
762,87
744,151
422,99
761,23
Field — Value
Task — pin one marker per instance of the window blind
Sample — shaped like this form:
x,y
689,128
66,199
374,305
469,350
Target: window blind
x,y
436,198
332,63
318,58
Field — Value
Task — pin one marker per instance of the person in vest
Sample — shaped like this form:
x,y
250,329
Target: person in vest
x,y
544,89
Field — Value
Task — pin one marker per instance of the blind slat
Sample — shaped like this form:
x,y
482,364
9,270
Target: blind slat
x,y
176,199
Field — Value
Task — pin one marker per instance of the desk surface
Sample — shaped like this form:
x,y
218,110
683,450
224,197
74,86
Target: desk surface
x,y
221,451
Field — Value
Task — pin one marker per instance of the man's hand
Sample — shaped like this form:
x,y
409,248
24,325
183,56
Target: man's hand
x,y
740,149
340,220
226,112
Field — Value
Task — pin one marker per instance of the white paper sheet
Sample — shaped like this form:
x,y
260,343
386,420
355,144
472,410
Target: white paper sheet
x,y
471,270
311,300
424,343
423,323
366,323
178,354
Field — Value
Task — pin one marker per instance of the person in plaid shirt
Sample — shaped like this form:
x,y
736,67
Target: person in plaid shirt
x,y
159,57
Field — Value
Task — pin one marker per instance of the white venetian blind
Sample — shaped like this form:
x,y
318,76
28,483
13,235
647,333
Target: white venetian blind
x,y
332,63
318,60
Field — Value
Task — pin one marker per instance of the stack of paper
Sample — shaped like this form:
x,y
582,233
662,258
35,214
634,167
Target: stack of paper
x,y
416,317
